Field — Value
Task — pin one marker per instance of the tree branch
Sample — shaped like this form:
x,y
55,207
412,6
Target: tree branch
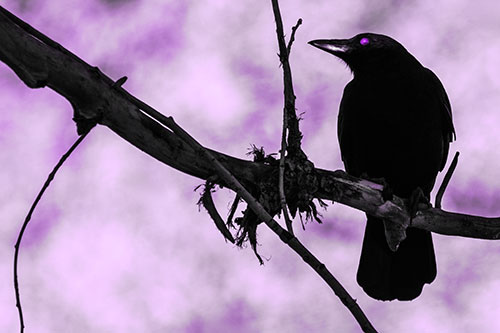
x,y
28,219
85,86
285,236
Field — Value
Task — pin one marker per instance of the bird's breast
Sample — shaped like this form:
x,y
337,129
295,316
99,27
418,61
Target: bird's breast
x,y
390,129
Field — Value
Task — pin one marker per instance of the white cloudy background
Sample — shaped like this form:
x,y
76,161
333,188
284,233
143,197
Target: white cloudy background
x,y
118,244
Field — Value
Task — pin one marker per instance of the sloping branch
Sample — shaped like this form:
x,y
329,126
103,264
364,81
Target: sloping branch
x,y
284,235
94,96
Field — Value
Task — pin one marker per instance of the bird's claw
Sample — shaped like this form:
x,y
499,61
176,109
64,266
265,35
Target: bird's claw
x,y
417,201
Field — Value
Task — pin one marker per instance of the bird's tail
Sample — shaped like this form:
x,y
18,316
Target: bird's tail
x,y
387,275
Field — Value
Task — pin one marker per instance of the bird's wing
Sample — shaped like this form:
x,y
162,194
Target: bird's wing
x,y
348,162
446,116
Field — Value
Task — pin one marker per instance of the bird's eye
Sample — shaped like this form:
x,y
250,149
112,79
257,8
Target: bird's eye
x,y
364,41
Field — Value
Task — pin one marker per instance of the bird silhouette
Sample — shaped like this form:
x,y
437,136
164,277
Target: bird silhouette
x,y
394,123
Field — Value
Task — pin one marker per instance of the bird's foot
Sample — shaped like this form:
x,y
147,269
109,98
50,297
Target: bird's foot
x,y
417,201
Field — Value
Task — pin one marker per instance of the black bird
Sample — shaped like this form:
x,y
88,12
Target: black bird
x,y
394,123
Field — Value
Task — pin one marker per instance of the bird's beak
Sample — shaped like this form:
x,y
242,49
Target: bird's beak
x,y
337,47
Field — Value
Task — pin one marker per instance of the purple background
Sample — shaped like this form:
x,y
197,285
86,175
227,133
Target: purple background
x,y
118,244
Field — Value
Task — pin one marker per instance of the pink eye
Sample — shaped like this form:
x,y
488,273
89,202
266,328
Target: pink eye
x,y
364,41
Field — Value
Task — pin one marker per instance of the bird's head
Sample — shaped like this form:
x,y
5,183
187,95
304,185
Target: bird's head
x,y
367,52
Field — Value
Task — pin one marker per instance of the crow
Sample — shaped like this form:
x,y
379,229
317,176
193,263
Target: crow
x,y
394,124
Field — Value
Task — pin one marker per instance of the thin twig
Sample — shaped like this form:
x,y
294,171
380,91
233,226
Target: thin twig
x,y
446,180
292,36
288,112
281,182
294,135
28,218
232,211
285,236
208,203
